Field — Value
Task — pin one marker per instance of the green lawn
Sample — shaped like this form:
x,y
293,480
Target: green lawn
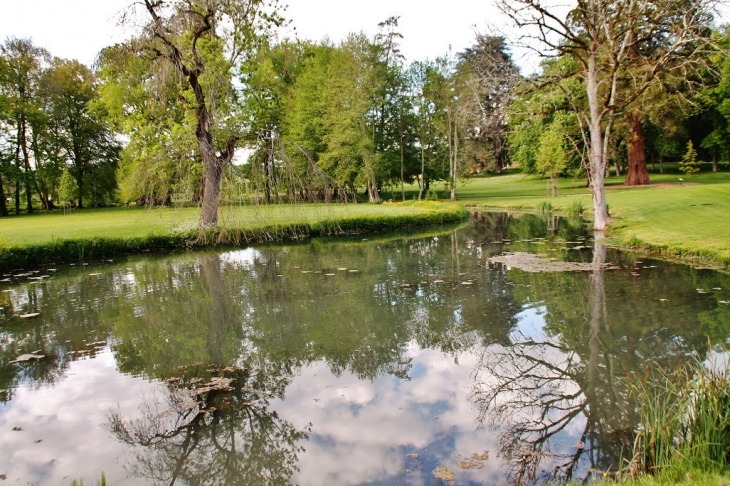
x,y
687,219
43,227
683,219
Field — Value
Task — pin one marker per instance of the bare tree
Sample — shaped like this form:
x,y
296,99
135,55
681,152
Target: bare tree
x,y
490,65
622,47
538,387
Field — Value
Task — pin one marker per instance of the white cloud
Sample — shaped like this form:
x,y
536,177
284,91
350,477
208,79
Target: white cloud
x,y
69,419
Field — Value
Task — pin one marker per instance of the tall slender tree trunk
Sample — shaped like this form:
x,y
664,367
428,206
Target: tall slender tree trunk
x,y
597,161
213,171
27,179
422,182
715,168
638,174
402,170
454,159
19,168
3,206
17,197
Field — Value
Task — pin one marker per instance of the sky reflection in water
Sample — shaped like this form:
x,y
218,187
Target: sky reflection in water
x,y
423,357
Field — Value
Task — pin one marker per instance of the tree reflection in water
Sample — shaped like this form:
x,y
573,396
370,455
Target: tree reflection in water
x,y
540,389
212,424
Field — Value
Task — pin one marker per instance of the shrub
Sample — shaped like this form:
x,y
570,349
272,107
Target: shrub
x,y
545,207
689,164
576,209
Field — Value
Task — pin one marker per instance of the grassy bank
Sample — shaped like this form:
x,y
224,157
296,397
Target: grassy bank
x,y
94,234
686,219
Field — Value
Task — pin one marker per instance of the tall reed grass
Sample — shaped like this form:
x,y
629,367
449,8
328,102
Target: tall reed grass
x,y
684,421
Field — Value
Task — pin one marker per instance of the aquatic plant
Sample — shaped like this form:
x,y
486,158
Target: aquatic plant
x,y
684,421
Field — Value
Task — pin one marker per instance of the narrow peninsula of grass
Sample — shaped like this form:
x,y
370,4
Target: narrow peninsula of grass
x,y
685,219
93,234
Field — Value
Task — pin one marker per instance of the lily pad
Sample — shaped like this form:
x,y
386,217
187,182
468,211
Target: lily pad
x,y
27,357
480,457
444,474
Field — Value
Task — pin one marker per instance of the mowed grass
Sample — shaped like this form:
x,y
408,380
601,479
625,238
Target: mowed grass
x,y
687,219
680,218
43,227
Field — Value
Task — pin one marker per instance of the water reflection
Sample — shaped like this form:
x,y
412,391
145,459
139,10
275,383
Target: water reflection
x,y
351,362
212,426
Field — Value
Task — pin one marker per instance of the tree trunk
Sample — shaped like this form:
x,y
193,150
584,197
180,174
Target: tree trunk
x,y
80,187
597,162
455,158
3,206
661,164
23,142
40,187
422,181
20,170
267,177
402,170
373,195
17,197
213,171
714,160
638,174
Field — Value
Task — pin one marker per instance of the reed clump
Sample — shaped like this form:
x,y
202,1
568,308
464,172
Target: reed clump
x,y
684,422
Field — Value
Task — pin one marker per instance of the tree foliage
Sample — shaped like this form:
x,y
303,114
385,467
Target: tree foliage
x,y
621,50
193,49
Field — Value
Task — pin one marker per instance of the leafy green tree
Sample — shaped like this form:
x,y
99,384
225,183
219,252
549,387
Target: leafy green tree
x,y
268,77
622,49
551,158
538,105
423,78
68,189
21,65
195,47
161,158
80,131
326,114
689,164
714,104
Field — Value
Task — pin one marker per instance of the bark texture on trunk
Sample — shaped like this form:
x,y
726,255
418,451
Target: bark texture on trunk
x,y
3,206
213,170
638,174
597,160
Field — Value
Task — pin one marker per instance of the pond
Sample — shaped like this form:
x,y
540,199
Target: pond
x,y
401,359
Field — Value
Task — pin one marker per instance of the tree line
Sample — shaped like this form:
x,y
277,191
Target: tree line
x,y
206,104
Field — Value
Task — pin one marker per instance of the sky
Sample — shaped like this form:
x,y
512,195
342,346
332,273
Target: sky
x,y
78,29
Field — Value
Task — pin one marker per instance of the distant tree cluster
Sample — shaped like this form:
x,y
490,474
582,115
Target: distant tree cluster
x,y
55,142
620,69
206,104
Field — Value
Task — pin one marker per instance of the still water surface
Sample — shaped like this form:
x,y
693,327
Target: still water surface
x,y
391,360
